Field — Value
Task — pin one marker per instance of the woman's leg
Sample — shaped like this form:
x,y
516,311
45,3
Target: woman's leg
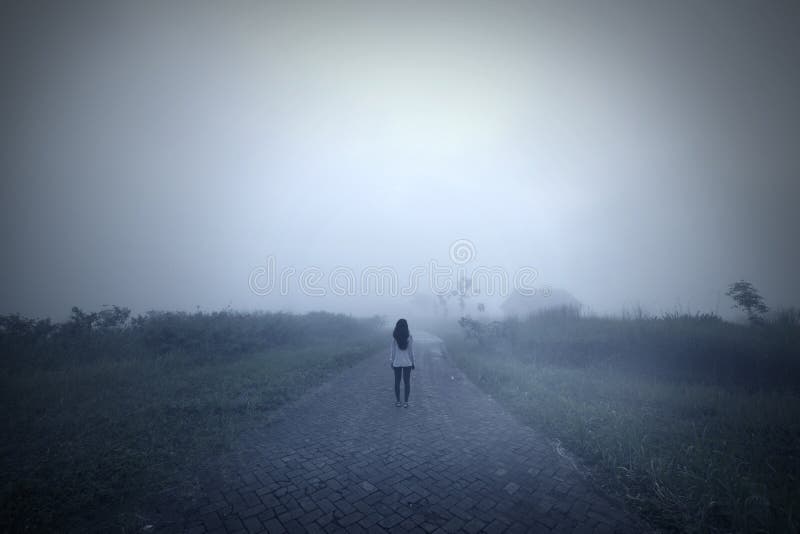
x,y
407,380
397,374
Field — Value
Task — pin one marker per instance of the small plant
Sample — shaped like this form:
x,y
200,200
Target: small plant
x,y
486,334
747,299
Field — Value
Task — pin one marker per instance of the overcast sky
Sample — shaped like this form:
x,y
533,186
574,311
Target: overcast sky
x,y
155,154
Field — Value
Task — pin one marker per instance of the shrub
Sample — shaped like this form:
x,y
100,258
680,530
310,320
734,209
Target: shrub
x,y
112,334
694,347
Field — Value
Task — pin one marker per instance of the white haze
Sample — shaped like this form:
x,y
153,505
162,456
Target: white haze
x,y
633,153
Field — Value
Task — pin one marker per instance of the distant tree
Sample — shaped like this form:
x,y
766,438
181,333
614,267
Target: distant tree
x,y
746,298
442,304
463,291
110,318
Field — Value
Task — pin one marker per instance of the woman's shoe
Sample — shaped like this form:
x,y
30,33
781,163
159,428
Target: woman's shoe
x,y
397,404
405,405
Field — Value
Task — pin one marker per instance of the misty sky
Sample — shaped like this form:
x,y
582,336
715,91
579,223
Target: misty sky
x,y
153,154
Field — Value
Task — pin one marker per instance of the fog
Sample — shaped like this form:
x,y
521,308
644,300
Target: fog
x,y
633,153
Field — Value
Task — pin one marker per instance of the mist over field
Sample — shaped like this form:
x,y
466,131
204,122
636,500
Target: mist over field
x,y
568,229
634,154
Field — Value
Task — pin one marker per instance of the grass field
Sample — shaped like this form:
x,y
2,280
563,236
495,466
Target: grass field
x,y
96,417
692,443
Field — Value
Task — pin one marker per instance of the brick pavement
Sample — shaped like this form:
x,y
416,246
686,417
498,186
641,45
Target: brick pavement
x,y
345,459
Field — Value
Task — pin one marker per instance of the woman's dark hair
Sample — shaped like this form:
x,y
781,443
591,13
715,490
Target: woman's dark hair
x,y
401,334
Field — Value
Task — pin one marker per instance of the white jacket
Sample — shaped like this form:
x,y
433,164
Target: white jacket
x,y
402,358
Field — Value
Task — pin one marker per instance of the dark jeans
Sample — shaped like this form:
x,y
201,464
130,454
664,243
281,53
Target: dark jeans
x,y
405,372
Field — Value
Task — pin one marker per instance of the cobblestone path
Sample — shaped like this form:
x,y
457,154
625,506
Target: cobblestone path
x,y
345,459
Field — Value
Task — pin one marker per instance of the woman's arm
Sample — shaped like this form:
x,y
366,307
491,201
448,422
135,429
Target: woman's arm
x,y
411,349
392,352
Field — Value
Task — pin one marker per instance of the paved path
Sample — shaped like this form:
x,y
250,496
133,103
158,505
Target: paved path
x,y
344,458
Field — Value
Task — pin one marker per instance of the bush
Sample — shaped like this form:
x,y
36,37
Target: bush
x,y
112,334
693,347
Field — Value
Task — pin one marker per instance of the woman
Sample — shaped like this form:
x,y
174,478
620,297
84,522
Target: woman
x,y
401,358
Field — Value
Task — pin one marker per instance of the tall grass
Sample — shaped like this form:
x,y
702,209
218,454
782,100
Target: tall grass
x,y
700,347
96,416
677,414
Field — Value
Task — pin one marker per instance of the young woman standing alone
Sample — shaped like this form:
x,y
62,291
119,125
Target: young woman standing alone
x,y
401,359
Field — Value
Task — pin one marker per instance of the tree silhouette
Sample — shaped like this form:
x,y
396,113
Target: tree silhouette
x,y
747,298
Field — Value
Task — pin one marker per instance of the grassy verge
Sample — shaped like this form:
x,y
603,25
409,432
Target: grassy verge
x,y
689,455
85,439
